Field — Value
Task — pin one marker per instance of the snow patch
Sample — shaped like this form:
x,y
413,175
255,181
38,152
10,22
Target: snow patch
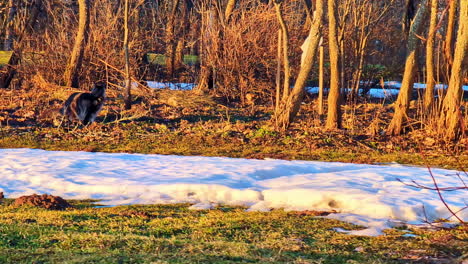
x,y
367,195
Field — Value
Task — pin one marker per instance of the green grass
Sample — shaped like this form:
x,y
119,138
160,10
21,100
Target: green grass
x,y
5,57
160,59
174,234
148,138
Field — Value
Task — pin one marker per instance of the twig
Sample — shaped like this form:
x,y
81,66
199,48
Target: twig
x,y
417,185
441,197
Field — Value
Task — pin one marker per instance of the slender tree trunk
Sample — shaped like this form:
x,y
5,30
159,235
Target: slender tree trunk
x,y
76,59
451,119
128,85
320,94
404,96
450,35
430,78
285,42
10,26
209,25
171,42
334,111
290,105
179,51
229,8
278,71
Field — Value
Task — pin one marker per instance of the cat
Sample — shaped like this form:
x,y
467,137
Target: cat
x,y
85,106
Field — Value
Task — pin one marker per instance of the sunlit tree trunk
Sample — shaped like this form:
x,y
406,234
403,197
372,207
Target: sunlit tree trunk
x,y
451,120
448,43
171,42
278,71
229,8
128,85
181,40
320,94
334,111
404,96
290,105
74,65
10,26
285,48
430,78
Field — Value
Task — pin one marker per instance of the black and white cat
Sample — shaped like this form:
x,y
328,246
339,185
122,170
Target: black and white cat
x,y
85,106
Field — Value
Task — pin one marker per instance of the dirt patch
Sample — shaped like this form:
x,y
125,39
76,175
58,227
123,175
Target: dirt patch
x,y
46,201
313,213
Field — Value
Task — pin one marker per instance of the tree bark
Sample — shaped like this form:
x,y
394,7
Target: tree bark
x,y
430,78
334,111
229,8
278,71
285,44
128,85
290,105
171,42
10,26
320,93
448,45
76,59
404,96
451,121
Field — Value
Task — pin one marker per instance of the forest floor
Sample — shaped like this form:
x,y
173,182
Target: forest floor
x,y
180,123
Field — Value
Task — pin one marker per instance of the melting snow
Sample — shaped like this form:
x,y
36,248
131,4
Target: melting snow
x,y
368,195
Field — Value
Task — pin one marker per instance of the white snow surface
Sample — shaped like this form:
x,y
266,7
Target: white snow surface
x,y
368,195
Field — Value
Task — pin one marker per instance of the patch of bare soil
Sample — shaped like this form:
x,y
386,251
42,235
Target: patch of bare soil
x,y
45,200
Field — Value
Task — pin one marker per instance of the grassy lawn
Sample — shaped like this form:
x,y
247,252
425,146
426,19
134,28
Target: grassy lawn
x,y
175,234
5,57
160,59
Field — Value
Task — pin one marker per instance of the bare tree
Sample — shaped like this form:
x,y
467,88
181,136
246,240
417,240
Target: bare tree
x,y
334,111
171,41
430,77
76,58
290,106
450,35
10,26
285,48
451,120
321,74
128,85
404,96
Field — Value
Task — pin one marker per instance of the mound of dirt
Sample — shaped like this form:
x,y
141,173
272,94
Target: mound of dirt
x,y
46,201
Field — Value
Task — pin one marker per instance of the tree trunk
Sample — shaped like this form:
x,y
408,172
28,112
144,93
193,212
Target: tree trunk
x,y
128,85
209,25
334,111
320,93
76,59
229,8
451,120
290,105
448,45
171,42
430,78
285,42
179,53
278,72
10,26
404,96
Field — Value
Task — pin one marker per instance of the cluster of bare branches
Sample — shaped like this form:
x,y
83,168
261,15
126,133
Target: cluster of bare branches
x,y
247,48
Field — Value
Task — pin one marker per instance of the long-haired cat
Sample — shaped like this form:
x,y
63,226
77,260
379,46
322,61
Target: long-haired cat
x,y
85,106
